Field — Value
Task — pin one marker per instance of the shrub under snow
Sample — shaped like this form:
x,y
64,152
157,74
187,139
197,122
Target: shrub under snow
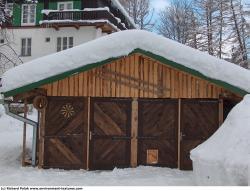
x,y
224,158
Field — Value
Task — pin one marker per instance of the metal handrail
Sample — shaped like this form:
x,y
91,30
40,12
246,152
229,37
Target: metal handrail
x,y
30,122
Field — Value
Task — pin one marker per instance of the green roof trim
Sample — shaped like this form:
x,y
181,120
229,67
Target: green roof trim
x,y
161,59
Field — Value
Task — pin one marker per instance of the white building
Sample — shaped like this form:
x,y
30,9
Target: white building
x,y
47,26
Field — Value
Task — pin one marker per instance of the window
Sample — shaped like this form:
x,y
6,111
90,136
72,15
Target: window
x,y
28,14
26,47
9,9
65,5
64,43
71,43
1,41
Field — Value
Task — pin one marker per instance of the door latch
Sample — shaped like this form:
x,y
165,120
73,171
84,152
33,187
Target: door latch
x,y
182,135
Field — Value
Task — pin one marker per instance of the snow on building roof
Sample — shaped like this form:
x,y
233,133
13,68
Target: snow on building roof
x,y
119,6
103,50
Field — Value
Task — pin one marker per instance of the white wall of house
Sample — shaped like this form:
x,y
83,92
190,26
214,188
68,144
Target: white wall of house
x,y
39,46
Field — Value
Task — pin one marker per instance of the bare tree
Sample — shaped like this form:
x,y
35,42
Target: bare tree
x,y
8,56
221,20
239,54
247,20
141,12
178,22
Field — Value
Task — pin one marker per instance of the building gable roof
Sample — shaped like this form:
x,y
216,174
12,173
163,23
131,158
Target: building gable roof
x,y
109,48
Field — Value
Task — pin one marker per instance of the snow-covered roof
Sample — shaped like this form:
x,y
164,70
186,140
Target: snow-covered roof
x,y
101,51
119,6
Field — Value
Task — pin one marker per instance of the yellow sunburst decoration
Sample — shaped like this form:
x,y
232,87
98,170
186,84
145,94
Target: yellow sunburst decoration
x,y
67,110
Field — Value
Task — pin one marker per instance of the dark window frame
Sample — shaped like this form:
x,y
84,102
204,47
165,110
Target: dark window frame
x,y
26,45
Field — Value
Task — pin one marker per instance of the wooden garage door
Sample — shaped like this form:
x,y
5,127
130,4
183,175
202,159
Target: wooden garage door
x,y
199,120
65,143
158,132
110,133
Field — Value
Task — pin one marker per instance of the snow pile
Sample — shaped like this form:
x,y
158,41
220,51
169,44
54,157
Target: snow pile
x,y
121,44
97,9
2,111
48,11
224,158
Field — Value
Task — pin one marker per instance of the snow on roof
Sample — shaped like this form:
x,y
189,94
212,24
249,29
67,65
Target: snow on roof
x,y
119,6
67,21
224,158
121,44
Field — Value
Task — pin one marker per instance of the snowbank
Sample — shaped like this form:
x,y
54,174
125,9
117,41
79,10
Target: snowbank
x,y
224,158
2,111
121,44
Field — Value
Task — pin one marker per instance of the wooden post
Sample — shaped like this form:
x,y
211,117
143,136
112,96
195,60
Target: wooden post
x,y
24,134
134,133
179,134
41,138
37,137
221,114
88,134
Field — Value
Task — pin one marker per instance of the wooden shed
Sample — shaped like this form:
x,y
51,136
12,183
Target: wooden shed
x,y
124,109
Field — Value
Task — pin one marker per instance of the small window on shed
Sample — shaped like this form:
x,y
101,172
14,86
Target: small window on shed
x,y
47,39
1,41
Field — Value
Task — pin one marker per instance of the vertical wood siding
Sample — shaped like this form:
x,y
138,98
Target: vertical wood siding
x,y
134,76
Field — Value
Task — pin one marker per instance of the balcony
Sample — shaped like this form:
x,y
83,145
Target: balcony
x,y
89,16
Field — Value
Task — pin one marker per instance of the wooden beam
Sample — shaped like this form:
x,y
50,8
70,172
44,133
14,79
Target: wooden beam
x,y
56,27
137,84
41,139
135,80
77,26
24,134
179,134
221,114
29,95
230,96
88,134
134,133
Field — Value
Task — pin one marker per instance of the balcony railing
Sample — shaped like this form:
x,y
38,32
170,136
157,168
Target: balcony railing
x,y
80,16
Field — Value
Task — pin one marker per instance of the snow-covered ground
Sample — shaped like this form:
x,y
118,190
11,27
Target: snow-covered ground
x,y
11,172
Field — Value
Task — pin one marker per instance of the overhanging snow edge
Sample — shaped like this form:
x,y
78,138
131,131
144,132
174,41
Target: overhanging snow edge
x,y
161,59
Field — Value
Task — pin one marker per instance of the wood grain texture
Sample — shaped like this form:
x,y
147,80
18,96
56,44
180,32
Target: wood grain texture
x,y
110,127
41,139
158,130
65,133
199,120
134,76
134,133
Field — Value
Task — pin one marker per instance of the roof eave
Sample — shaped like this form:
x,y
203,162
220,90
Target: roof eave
x,y
161,59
